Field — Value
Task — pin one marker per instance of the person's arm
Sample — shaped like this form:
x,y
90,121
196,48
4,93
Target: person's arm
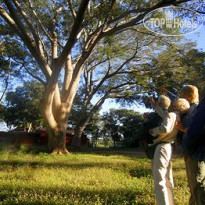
x,y
162,113
180,126
171,95
151,101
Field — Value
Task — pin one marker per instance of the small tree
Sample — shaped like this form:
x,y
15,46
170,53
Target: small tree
x,y
23,105
124,126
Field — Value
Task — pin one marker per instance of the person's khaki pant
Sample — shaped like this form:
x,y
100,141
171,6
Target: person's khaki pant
x,y
162,172
191,169
196,179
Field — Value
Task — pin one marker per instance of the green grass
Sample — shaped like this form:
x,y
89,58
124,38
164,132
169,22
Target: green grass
x,y
82,179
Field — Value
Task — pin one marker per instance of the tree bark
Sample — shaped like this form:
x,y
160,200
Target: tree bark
x,y
52,113
78,132
57,141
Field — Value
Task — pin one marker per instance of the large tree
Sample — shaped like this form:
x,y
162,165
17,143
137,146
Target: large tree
x,y
107,74
62,35
147,66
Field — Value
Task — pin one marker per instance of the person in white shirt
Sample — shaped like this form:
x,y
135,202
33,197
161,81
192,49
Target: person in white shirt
x,y
166,134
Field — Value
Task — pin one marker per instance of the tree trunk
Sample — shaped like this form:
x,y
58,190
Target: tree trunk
x,y
78,132
57,141
56,130
56,112
114,141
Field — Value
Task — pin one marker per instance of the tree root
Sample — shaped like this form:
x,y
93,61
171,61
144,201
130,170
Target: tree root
x,y
60,151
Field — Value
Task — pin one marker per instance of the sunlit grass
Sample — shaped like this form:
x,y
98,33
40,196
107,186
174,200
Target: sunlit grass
x,y
82,179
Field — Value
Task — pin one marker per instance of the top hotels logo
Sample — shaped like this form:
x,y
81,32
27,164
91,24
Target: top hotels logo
x,y
173,21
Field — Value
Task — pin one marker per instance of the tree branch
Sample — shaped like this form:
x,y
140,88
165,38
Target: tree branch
x,y
37,38
6,82
9,20
138,20
74,32
18,26
27,20
67,76
72,9
39,22
34,76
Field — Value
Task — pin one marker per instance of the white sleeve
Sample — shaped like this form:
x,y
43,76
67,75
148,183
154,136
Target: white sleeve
x,y
166,126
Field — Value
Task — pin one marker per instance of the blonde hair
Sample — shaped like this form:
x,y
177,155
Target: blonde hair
x,y
164,102
181,105
191,92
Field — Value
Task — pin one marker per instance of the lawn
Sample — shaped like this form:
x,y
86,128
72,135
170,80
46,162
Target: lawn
x,y
82,179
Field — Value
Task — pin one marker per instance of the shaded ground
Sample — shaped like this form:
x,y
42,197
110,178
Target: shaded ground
x,y
135,152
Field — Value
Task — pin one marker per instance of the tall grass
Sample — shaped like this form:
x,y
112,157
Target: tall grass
x,y
82,179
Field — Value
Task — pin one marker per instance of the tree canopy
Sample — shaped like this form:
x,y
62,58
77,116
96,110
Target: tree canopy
x,y
125,126
23,105
59,37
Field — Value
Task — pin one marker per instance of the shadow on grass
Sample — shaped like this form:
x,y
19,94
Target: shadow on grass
x,y
130,152
53,165
64,196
